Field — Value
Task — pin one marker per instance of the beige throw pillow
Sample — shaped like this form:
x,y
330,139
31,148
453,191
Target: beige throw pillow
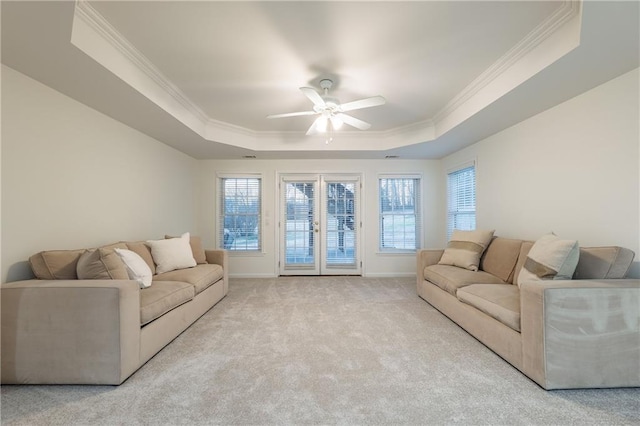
x,y
465,249
56,264
550,258
172,254
101,264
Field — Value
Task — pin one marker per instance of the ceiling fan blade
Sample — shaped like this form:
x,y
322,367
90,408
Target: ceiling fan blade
x,y
363,103
292,114
355,122
313,129
313,96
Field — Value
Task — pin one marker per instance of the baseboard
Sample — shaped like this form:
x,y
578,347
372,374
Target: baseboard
x,y
390,275
371,275
252,276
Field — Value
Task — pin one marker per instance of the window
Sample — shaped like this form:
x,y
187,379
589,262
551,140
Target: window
x,y
461,199
240,213
399,213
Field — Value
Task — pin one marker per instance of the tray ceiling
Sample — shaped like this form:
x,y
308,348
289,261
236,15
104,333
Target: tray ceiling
x,y
203,76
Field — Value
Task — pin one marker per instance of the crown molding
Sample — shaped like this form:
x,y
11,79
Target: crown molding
x,y
104,29
214,130
567,11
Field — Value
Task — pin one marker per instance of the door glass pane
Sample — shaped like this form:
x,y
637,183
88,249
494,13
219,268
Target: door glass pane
x,y
340,226
299,236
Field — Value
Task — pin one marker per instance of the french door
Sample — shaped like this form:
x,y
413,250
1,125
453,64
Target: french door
x,y
319,224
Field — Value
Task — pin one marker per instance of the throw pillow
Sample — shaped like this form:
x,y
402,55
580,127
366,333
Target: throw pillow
x,y
550,258
142,249
172,254
196,248
101,264
137,268
465,249
56,264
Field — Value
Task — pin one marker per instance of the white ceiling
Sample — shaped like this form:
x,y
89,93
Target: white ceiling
x,y
241,61
230,64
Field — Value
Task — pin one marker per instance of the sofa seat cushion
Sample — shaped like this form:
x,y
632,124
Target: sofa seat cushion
x,y
201,276
162,297
499,301
451,278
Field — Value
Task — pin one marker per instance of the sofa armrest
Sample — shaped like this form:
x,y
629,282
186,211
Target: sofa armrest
x,y
426,258
581,333
70,331
220,257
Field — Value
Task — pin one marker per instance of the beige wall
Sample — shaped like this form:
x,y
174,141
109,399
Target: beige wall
x,y
374,263
573,170
73,177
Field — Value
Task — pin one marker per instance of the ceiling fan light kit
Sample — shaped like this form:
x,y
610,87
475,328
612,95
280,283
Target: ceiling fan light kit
x,y
331,112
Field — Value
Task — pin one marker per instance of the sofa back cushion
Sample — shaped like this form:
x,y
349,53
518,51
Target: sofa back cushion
x,y
603,263
142,250
112,246
56,264
501,257
597,263
522,257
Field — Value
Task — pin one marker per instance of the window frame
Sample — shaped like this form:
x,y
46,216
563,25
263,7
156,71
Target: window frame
x,y
450,212
221,177
419,226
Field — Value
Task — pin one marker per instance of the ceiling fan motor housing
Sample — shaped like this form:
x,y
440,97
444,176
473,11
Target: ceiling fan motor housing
x,y
326,84
332,104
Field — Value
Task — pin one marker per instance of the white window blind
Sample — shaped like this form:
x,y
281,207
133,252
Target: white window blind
x,y
461,200
400,219
239,216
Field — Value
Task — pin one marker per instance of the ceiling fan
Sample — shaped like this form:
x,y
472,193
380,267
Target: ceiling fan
x,y
331,112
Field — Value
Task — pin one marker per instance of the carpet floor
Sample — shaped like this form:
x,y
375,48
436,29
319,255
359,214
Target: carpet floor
x,y
321,350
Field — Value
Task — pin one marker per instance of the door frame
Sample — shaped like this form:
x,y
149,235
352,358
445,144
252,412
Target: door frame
x,y
321,178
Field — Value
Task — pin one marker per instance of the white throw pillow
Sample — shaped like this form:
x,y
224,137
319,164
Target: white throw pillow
x,y
550,258
137,268
172,254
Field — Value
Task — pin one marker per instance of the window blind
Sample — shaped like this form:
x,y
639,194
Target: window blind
x,y
239,216
461,200
400,219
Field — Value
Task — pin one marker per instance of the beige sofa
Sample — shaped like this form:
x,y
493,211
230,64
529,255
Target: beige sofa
x,y
62,330
579,333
